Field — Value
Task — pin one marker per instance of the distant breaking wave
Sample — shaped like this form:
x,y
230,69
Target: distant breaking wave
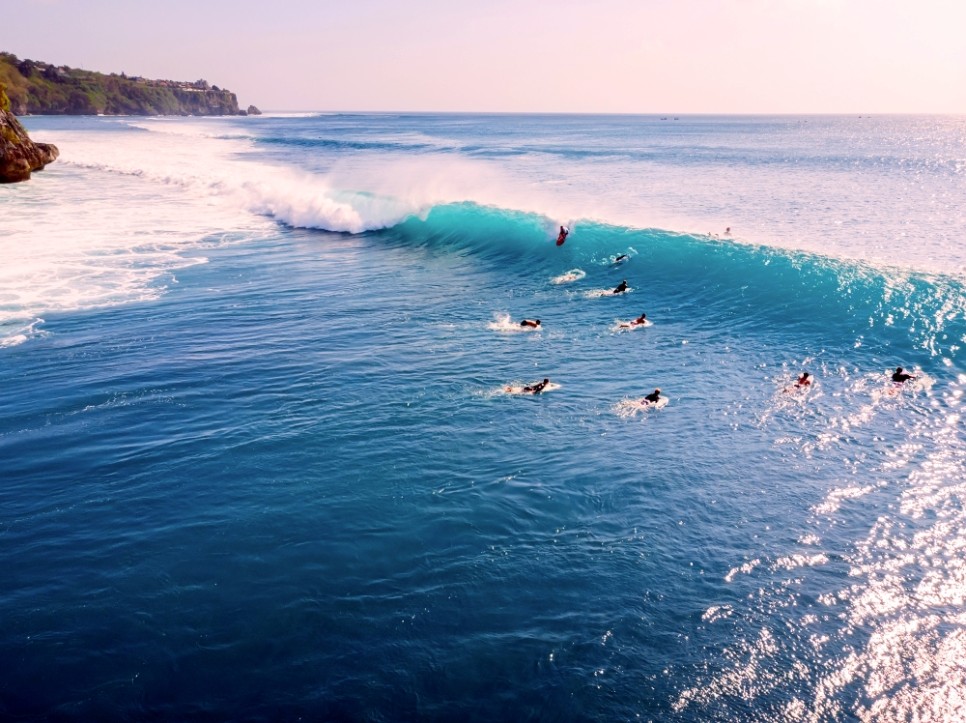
x,y
449,203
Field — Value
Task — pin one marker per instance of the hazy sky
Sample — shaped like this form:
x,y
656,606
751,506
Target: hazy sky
x,y
646,56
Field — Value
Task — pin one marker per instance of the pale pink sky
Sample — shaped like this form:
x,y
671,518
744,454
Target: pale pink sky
x,y
609,56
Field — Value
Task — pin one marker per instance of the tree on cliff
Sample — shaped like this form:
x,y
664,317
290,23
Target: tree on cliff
x,y
37,87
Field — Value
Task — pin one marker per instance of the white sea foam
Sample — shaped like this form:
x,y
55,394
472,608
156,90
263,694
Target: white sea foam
x,y
107,224
569,277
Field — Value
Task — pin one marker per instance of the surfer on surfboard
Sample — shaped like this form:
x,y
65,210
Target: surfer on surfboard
x,y
536,388
621,287
639,321
562,236
804,380
653,398
532,323
900,376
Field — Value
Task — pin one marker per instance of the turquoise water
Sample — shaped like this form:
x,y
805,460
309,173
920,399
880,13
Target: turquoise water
x,y
259,462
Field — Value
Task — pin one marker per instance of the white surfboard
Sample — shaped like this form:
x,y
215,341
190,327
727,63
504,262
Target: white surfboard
x,y
631,325
633,407
601,293
518,389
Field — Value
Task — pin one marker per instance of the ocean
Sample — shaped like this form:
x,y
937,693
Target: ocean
x,y
259,460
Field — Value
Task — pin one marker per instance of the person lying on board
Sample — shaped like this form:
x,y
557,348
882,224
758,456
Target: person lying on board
x,y
900,376
621,287
653,397
532,323
536,388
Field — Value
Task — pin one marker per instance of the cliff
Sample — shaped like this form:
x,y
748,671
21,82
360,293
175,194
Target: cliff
x,y
19,155
35,87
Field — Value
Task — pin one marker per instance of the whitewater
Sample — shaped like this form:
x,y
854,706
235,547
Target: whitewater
x,y
259,459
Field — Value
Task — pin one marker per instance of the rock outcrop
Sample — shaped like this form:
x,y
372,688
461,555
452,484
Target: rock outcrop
x,y
19,156
252,110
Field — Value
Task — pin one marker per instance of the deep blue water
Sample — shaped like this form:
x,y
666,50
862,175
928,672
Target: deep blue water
x,y
287,482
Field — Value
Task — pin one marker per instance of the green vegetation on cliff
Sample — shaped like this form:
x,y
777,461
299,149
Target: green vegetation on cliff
x,y
41,88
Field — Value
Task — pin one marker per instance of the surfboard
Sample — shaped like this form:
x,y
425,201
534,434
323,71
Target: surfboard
x,y
632,407
630,325
601,293
518,389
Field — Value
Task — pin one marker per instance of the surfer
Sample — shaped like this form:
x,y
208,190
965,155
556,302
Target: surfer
x,y
642,319
653,397
620,259
532,323
536,388
562,236
900,376
621,287
803,381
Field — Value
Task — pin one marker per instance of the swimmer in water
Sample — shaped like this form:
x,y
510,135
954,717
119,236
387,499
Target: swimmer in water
x,y
532,323
536,388
562,236
900,376
621,287
653,397
804,380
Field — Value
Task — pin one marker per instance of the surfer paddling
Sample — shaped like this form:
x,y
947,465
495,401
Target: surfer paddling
x,y
621,287
530,323
900,377
653,398
642,319
562,236
803,382
531,388
536,388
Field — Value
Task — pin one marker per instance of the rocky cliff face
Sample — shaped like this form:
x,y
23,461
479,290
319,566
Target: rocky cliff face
x,y
19,156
